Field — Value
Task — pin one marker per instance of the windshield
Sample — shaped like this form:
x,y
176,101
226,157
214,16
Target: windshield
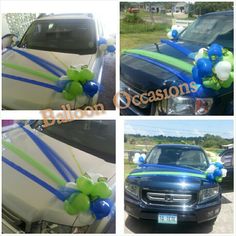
x,y
96,137
211,28
70,36
178,156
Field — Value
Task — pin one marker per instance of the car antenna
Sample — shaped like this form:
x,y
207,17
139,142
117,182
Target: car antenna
x,y
157,47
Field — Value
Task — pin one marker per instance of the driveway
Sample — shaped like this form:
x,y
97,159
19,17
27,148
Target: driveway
x,y
224,223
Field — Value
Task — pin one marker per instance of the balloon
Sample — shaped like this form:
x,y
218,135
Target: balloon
x,y
72,90
202,52
71,185
217,173
84,184
222,70
174,34
215,52
218,179
73,74
219,165
90,88
111,48
224,172
196,76
101,208
211,169
228,56
141,160
210,177
85,75
101,190
212,83
67,191
77,202
85,218
204,66
102,41
169,35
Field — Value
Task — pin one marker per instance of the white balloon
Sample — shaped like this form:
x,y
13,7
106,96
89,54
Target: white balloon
x,y
169,35
71,185
143,155
224,172
85,218
136,158
222,70
211,169
200,54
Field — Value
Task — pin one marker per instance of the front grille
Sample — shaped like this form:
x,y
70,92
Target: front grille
x,y
168,198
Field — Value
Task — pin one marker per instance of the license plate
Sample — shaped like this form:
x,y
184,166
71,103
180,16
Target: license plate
x,y
167,219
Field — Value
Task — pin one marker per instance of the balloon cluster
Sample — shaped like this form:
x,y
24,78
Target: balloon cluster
x,y
216,172
175,31
106,45
139,158
81,81
214,67
89,197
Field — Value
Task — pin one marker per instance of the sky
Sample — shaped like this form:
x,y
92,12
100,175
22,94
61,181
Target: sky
x,y
185,128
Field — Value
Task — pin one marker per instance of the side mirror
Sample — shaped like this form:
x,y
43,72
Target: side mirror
x,y
9,40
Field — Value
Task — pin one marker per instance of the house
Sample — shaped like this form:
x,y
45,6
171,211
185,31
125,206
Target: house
x,y
155,7
181,7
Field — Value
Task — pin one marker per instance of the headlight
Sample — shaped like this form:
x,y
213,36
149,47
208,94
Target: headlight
x,y
208,194
132,189
184,106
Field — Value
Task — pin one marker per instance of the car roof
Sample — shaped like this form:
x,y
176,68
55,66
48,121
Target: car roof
x,y
66,16
181,146
230,12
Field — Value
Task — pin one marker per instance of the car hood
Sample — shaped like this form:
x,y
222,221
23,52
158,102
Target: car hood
x,y
29,200
62,60
159,177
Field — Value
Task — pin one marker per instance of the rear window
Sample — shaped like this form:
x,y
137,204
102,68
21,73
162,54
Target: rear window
x,y
76,36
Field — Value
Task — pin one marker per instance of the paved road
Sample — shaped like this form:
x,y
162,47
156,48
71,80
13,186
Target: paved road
x,y
223,224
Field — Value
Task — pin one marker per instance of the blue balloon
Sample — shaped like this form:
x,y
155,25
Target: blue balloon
x,y
102,41
174,34
204,66
111,48
141,160
90,88
217,173
101,208
196,76
215,52
210,177
219,165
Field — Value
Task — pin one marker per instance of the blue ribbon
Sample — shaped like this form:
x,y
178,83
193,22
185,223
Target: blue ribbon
x,y
30,81
178,47
43,63
55,159
34,178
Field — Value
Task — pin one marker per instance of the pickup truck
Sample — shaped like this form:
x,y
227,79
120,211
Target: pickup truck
x,y
170,187
51,44
142,76
27,207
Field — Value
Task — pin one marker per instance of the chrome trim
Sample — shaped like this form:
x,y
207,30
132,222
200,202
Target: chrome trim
x,y
8,228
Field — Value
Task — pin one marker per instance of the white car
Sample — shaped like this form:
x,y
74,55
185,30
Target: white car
x,y
51,45
30,208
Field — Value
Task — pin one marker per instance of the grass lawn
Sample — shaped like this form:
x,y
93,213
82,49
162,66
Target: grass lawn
x,y
128,167
136,40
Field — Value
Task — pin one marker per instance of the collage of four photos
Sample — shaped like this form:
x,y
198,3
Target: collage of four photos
x,y
117,117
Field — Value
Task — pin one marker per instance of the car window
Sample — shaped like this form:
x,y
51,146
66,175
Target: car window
x,y
211,28
70,36
179,157
96,137
227,158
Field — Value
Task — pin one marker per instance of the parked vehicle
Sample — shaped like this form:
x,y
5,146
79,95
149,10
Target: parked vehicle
x,y
170,187
26,206
227,157
141,76
67,40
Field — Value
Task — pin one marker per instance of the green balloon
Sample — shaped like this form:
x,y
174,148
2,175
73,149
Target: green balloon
x,y
79,202
73,74
228,82
101,190
69,209
75,88
68,96
218,179
84,184
211,83
228,56
85,75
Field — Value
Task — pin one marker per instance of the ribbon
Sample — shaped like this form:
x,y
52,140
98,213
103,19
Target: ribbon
x,y
52,156
31,72
187,67
27,158
168,173
34,178
41,62
30,81
178,47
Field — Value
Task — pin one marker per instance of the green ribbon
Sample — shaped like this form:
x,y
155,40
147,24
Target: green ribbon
x,y
168,173
187,67
27,158
31,72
